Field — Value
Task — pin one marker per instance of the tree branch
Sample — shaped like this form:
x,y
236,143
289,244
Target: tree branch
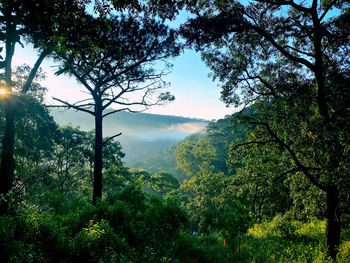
x,y
300,166
68,105
119,110
114,99
284,52
144,59
288,2
299,51
285,173
329,7
34,70
82,80
254,142
110,138
267,85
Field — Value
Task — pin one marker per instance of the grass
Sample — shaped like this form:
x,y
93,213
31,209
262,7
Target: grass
x,y
284,240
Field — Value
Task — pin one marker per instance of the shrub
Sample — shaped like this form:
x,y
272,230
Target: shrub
x,y
344,252
98,243
202,249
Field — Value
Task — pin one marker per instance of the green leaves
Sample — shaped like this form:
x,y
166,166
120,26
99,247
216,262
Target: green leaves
x,y
195,157
60,71
166,96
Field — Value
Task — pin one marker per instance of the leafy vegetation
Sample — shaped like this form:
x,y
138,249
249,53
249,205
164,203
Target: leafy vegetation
x,y
267,184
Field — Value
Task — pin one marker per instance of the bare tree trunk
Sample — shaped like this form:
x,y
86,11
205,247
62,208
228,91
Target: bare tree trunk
x,y
333,226
7,163
97,185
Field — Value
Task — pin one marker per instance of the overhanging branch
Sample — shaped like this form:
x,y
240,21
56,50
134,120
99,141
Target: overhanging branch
x,y
284,52
255,142
69,105
287,2
298,163
110,138
119,110
286,173
34,71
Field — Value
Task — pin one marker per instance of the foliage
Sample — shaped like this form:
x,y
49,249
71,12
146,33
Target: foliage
x,y
287,240
202,249
211,204
121,228
156,161
195,158
221,134
282,163
98,243
114,61
291,61
164,182
18,21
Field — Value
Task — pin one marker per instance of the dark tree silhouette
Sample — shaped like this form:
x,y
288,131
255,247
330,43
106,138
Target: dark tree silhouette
x,y
18,21
117,61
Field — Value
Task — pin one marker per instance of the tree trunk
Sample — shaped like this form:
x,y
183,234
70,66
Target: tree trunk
x,y
7,166
7,163
333,226
97,185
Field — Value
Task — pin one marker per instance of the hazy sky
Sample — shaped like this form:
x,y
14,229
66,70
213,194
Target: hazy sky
x,y
196,95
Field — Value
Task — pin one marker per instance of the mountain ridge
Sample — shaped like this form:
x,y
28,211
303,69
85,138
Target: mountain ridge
x,y
141,132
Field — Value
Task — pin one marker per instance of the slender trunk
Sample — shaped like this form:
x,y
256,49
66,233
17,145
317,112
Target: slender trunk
x,y
97,186
7,166
7,163
333,226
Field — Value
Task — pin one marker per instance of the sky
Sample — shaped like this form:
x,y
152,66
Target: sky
x,y
196,96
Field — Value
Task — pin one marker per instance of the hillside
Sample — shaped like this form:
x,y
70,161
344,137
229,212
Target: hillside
x,y
141,132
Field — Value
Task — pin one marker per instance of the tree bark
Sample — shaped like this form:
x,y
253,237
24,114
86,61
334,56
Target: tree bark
x,y
333,226
7,163
7,167
97,185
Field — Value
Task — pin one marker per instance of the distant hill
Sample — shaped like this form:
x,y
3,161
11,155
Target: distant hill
x,y
141,132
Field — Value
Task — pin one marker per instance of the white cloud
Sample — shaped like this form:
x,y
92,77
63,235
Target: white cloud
x,y
188,128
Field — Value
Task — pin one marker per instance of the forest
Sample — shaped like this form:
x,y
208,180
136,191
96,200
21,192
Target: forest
x,y
270,183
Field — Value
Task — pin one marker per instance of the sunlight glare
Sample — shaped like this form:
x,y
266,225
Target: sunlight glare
x,y
2,91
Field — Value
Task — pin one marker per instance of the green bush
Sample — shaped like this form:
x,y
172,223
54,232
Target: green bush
x,y
344,253
131,227
201,249
125,227
286,240
32,237
99,243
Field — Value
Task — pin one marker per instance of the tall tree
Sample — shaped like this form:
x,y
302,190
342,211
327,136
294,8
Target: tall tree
x,y
295,57
35,132
13,27
35,22
117,61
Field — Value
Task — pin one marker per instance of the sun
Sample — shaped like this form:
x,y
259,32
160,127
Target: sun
x,y
3,91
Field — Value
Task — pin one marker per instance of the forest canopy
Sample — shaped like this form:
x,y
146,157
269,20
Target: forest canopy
x,y
268,184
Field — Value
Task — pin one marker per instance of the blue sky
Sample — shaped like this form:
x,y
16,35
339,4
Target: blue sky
x,y
196,95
